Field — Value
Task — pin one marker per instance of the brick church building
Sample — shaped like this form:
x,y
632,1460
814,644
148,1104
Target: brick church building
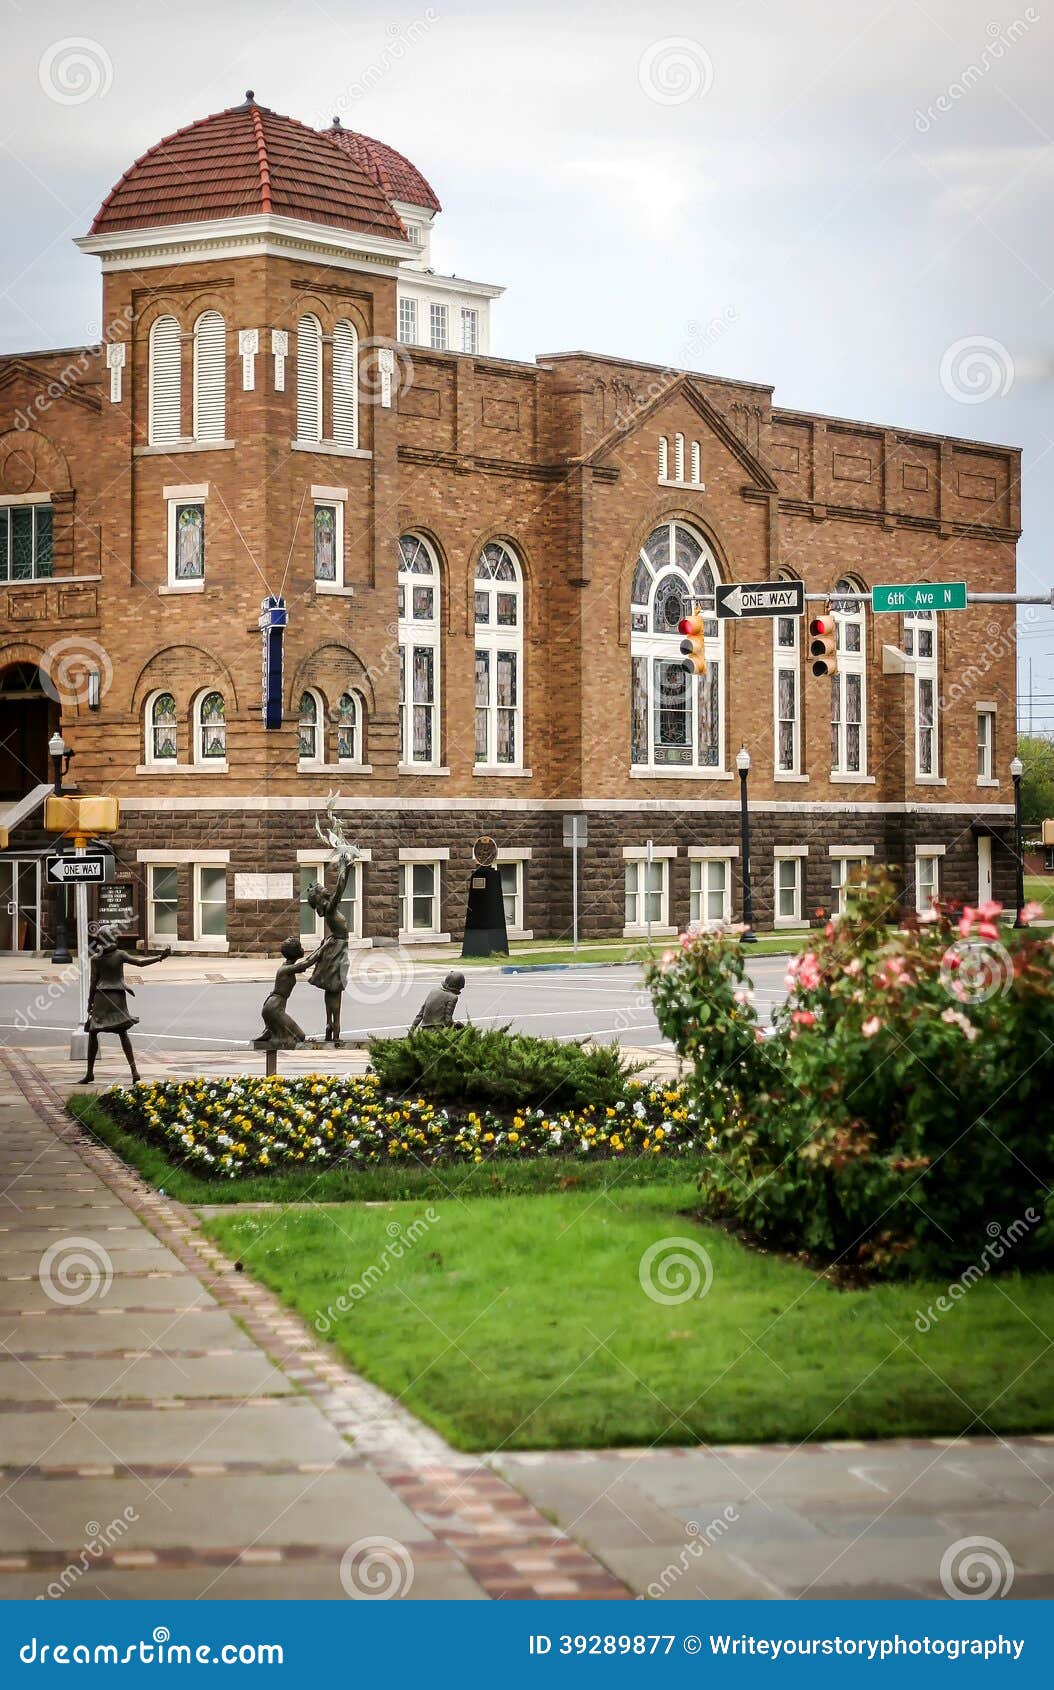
x,y
482,564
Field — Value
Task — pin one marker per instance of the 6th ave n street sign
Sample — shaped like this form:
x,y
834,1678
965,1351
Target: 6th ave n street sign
x,y
926,595
761,598
90,870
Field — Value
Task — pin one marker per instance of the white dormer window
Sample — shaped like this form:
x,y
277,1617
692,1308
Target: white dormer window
x,y
414,234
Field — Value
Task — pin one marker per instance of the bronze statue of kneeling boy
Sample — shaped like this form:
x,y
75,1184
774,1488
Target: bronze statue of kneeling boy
x,y
440,1004
281,1032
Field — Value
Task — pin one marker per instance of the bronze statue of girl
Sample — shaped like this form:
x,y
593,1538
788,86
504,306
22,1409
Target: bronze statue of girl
x,y
108,998
330,973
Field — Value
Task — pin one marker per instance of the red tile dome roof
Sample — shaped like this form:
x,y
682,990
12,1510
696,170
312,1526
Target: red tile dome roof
x,y
244,161
395,175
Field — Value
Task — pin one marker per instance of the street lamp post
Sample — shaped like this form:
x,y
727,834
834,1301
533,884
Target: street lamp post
x,y
748,936
1017,769
60,755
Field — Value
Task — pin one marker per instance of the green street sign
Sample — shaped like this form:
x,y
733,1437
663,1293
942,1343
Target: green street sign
x,y
926,595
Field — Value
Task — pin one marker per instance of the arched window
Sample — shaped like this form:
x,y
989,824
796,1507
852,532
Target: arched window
x,y
664,458
920,643
161,744
349,729
849,685
345,384
499,658
677,716
678,457
210,377
309,379
210,728
418,652
786,690
310,744
163,422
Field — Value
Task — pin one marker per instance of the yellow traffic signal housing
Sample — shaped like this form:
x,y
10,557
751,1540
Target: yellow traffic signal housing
x,y
60,815
693,645
99,815
1048,832
823,645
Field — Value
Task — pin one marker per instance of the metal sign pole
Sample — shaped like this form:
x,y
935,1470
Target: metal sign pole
x,y
574,887
647,890
79,1039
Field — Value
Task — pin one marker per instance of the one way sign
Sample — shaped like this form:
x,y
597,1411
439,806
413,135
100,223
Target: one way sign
x,y
761,598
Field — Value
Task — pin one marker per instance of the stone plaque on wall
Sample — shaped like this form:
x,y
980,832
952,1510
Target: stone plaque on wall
x,y
251,888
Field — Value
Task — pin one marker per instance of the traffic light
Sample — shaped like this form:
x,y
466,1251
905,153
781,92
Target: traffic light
x,y
823,645
693,644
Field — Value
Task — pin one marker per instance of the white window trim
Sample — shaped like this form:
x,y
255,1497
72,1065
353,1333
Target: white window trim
x,y
651,646
492,639
201,941
924,669
205,765
151,764
844,854
153,938
195,494
317,763
786,658
314,439
352,765
436,308
425,633
151,419
436,859
317,862
983,708
850,850
196,859
928,854
782,854
705,856
661,929
851,663
516,860
337,497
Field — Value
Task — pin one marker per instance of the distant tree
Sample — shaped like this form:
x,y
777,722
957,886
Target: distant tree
x,y
1037,782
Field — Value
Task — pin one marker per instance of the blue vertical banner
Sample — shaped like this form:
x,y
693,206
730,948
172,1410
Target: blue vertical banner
x,y
272,624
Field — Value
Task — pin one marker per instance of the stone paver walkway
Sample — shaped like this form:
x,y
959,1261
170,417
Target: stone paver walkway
x,y
168,1428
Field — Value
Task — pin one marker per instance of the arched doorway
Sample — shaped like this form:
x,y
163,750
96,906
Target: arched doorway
x,y
28,718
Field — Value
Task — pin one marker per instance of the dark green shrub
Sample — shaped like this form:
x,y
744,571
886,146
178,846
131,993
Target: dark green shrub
x,y
500,1070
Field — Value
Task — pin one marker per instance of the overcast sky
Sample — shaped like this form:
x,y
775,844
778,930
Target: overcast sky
x,y
860,194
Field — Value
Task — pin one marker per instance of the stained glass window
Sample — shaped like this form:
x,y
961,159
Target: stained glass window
x,y
676,717
307,728
348,750
212,726
163,728
499,615
419,637
325,543
190,542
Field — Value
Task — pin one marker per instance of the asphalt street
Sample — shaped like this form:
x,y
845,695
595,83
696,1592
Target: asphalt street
x,y
601,1003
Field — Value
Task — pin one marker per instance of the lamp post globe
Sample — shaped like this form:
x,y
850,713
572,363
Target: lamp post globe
x,y
748,936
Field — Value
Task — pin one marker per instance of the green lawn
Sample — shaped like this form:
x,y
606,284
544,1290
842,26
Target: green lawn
x,y
545,954
521,1322
1039,889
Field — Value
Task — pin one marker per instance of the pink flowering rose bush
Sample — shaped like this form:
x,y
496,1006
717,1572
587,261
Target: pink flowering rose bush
x,y
904,1110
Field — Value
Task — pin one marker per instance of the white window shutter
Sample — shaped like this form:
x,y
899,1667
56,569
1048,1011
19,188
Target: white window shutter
x,y
309,379
210,377
664,457
164,381
345,383
696,463
678,457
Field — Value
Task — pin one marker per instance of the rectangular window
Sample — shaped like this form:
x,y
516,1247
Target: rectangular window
x,y
408,321
164,901
210,902
497,707
787,720
927,879
646,893
186,542
924,716
985,745
672,716
842,871
327,536
787,899
512,893
25,542
419,897
711,891
311,926
469,330
437,327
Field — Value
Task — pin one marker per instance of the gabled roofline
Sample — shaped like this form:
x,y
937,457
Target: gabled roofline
x,y
683,385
